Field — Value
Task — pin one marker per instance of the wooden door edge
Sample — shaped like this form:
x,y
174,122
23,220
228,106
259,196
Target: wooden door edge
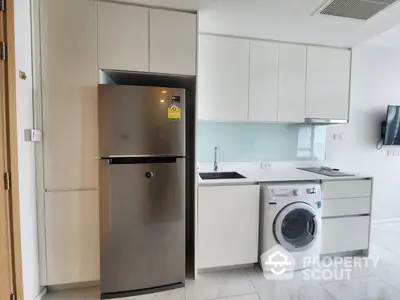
x,y
13,151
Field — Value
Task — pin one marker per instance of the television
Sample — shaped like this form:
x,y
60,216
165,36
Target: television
x,y
392,130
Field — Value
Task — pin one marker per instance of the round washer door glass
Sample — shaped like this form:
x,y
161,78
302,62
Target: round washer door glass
x,y
296,226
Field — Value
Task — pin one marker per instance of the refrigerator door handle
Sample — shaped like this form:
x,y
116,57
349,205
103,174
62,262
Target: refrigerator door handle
x,y
139,160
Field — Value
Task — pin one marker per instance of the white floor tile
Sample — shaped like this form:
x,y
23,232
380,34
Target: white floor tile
x,y
386,238
242,297
219,285
388,267
353,269
364,288
177,294
295,289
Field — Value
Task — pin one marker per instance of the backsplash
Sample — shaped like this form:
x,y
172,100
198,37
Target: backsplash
x,y
245,142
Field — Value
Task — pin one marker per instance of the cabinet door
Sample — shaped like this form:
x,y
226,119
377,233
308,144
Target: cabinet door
x,y
328,83
123,37
345,234
69,93
263,90
292,83
227,226
223,78
173,42
72,236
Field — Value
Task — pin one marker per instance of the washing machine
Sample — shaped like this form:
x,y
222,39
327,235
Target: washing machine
x,y
290,216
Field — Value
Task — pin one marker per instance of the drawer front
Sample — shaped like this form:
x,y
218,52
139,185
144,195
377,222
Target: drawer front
x,y
347,189
346,207
345,234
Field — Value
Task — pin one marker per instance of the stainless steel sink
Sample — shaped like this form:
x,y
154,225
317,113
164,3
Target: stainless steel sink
x,y
221,175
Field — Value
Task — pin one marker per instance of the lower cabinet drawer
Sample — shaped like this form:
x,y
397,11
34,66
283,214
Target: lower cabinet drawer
x,y
345,234
346,207
347,189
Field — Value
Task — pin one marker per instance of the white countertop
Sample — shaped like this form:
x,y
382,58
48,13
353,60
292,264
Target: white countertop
x,y
279,174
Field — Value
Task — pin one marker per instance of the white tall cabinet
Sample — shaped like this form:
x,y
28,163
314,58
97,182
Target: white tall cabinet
x,y
77,38
67,201
223,78
263,81
328,83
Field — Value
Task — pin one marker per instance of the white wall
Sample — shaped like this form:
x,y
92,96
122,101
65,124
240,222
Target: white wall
x,y
375,83
26,151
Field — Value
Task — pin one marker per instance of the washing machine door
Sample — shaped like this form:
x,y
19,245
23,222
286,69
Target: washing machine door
x,y
296,227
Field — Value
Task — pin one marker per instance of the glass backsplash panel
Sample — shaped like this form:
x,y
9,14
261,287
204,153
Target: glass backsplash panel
x,y
245,142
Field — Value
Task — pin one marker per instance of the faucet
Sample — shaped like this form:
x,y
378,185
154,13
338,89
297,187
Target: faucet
x,y
215,159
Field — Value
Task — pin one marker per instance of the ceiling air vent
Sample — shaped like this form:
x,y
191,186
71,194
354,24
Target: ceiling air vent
x,y
355,9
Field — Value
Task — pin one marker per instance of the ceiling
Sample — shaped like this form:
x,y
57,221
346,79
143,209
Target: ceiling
x,y
390,38
189,5
282,20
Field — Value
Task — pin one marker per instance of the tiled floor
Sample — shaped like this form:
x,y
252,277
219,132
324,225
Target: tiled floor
x,y
368,283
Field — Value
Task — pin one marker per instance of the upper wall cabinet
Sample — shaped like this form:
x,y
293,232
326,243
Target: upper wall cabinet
x,y
292,83
172,42
328,83
123,37
69,93
223,78
140,39
263,89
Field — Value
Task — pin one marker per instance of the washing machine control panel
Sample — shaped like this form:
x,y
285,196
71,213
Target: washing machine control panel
x,y
311,191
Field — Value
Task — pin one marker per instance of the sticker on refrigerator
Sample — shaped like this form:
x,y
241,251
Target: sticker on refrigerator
x,y
174,111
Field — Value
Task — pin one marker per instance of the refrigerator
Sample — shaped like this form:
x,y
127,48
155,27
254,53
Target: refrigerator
x,y
142,189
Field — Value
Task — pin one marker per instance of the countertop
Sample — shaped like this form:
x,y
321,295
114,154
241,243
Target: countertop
x,y
254,176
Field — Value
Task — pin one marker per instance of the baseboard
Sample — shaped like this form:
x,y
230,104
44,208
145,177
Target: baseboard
x,y
73,286
221,269
386,221
42,293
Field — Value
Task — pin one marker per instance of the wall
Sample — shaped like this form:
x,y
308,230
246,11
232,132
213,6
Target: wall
x,y
374,85
26,151
241,142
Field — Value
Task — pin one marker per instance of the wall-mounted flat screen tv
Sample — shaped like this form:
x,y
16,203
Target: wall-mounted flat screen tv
x,y
392,132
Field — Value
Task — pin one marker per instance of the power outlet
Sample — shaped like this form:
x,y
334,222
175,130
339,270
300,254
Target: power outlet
x,y
393,153
266,165
338,136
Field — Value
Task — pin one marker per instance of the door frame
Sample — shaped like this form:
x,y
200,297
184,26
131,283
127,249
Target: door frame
x,y
11,159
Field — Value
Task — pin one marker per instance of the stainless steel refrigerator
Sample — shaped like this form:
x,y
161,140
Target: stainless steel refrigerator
x,y
142,189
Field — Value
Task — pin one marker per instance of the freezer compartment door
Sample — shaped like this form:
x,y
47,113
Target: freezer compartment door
x,y
142,207
135,120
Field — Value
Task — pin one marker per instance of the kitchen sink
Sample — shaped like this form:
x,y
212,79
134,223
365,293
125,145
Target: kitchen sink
x,y
221,175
